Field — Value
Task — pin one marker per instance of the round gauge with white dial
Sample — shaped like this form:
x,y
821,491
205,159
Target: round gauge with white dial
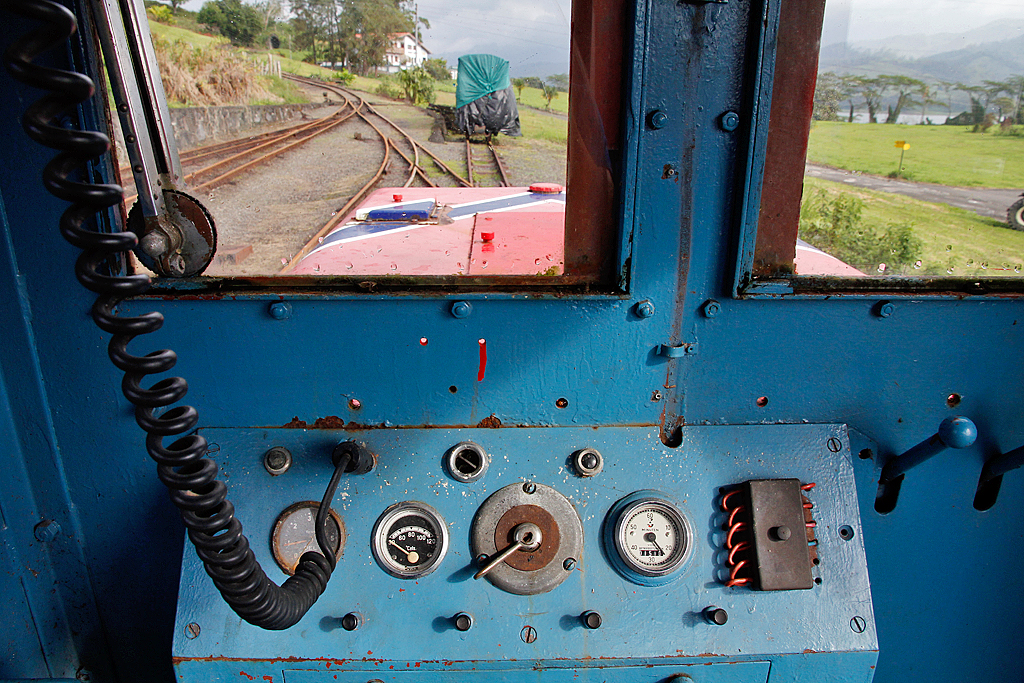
x,y
409,540
651,538
295,533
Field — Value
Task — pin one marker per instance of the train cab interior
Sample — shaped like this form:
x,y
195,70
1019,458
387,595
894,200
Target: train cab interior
x,y
698,450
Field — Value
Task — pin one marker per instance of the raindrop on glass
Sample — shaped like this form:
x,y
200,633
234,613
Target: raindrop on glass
x,y
917,264
536,262
984,265
881,267
394,266
949,247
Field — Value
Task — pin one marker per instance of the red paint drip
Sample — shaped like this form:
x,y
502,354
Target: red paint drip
x,y
483,361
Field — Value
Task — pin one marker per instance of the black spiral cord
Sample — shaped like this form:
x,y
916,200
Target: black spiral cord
x,y
182,467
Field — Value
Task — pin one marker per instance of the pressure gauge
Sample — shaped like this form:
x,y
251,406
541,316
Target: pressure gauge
x,y
295,533
648,538
409,540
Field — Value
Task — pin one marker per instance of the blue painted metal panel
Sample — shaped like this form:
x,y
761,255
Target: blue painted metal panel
x,y
409,468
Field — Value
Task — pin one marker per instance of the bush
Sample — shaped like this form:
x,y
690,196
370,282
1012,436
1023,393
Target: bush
x,y
344,76
834,224
161,14
388,88
438,69
417,85
240,23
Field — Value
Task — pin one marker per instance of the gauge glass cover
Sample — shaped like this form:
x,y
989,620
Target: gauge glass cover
x,y
652,537
295,533
409,540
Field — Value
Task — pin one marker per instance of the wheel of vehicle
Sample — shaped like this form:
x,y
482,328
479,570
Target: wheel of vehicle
x,y
1015,214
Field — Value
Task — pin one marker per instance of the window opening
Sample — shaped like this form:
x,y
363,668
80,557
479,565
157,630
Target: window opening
x,y
895,150
393,138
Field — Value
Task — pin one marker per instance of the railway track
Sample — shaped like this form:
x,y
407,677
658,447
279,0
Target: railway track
x,y
484,166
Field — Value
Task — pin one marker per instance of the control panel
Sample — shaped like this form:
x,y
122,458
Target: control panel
x,y
593,553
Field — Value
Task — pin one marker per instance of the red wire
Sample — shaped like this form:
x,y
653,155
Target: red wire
x,y
737,582
732,515
726,497
732,530
807,487
742,545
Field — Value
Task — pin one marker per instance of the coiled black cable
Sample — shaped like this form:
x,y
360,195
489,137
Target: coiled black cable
x,y
182,467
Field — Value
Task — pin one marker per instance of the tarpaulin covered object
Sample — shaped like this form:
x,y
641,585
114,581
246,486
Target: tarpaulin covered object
x,y
484,96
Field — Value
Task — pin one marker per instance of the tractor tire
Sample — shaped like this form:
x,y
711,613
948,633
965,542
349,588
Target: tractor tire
x,y
1015,215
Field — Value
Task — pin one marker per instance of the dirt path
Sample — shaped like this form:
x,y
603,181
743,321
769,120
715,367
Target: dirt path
x,y
990,203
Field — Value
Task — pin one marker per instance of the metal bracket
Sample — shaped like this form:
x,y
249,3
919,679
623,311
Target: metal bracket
x,y
677,351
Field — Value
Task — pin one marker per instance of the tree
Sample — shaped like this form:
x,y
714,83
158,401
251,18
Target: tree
x,y
550,93
559,82
926,93
438,69
828,93
519,84
905,86
239,23
872,90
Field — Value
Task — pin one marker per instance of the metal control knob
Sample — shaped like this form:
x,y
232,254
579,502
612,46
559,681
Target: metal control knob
x,y
716,616
351,621
463,621
591,619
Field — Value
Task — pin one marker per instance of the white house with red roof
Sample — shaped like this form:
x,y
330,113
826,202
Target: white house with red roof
x,y
404,51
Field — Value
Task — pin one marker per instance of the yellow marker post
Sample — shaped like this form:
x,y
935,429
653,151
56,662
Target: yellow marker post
x,y
903,146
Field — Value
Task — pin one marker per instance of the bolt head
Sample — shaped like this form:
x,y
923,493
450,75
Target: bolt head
x,y
780,533
461,309
886,309
277,460
644,309
46,530
730,121
280,310
711,308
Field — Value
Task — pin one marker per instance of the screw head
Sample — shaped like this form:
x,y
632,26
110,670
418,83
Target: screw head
x,y
46,530
886,309
644,309
280,310
529,487
858,624
656,396
711,308
657,119
192,630
569,564
834,444
83,675
730,121
461,309
528,634
277,460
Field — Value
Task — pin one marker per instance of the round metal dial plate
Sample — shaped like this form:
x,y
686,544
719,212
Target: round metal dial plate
x,y
409,540
652,537
535,571
295,533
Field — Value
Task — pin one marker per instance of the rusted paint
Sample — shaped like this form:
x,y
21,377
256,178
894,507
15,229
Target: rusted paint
x,y
489,422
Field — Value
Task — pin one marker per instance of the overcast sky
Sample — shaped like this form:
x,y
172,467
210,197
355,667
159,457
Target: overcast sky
x,y
534,34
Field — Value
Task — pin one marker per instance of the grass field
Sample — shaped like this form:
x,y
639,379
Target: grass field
x,y
173,33
947,155
953,238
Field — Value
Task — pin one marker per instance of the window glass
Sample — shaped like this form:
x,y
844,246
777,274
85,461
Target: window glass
x,y
915,145
385,137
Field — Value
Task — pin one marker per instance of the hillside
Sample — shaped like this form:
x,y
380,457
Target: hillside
x,y
992,61
917,45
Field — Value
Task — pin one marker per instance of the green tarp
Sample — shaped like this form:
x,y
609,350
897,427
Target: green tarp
x,y
480,75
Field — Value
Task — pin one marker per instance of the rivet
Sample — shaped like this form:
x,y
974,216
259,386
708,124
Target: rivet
x,y
657,119
730,121
711,308
644,309
461,309
280,310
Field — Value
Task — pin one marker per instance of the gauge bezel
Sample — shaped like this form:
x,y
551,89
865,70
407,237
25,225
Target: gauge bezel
x,y
314,506
378,539
615,537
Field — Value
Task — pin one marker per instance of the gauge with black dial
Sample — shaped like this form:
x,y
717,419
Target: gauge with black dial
x,y
409,540
295,533
650,538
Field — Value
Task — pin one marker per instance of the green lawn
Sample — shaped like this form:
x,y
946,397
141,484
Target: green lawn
x,y
953,238
173,33
948,155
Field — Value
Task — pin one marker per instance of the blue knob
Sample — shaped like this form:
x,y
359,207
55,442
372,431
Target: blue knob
x,y
958,432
